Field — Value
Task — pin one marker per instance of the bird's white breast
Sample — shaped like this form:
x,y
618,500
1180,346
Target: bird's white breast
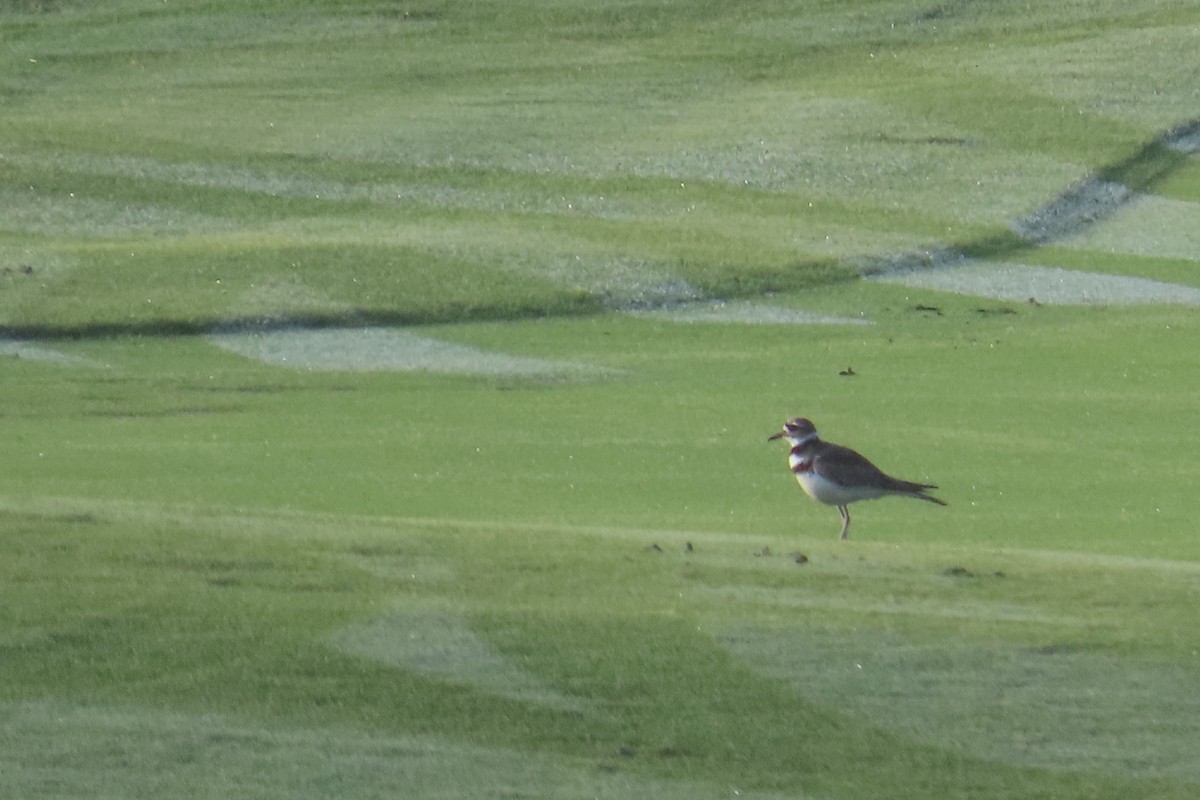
x,y
826,491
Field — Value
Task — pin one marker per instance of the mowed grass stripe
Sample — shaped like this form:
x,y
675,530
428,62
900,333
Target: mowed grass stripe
x,y
1055,706
60,751
333,526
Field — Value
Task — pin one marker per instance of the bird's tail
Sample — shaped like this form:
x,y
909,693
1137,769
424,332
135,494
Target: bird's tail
x,y
917,490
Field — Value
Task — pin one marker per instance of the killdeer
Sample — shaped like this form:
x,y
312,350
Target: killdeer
x,y
838,476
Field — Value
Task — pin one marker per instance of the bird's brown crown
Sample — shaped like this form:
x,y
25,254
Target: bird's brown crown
x,y
799,426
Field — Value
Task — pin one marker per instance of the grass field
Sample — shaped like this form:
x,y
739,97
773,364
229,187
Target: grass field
x,y
479,531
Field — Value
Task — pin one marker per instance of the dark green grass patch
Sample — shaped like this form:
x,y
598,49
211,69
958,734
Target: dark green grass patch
x,y
1183,184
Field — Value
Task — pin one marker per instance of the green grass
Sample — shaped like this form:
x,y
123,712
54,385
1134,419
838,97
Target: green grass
x,y
441,568
220,577
475,152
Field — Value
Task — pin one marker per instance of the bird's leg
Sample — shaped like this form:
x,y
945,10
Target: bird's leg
x,y
845,512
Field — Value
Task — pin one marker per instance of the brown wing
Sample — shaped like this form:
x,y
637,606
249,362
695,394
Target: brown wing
x,y
853,468
847,467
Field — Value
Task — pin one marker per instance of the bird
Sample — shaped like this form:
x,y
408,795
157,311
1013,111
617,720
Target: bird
x,y
838,476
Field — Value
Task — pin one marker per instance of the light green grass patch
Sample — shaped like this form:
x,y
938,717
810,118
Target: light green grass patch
x,y
1052,706
444,645
35,352
61,751
1149,225
1093,74
1180,271
1036,284
745,313
355,349
79,216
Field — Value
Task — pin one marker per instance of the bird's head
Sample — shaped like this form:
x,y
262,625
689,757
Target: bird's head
x,y
796,430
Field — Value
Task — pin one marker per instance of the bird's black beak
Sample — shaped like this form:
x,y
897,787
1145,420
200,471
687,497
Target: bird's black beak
x,y
776,436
